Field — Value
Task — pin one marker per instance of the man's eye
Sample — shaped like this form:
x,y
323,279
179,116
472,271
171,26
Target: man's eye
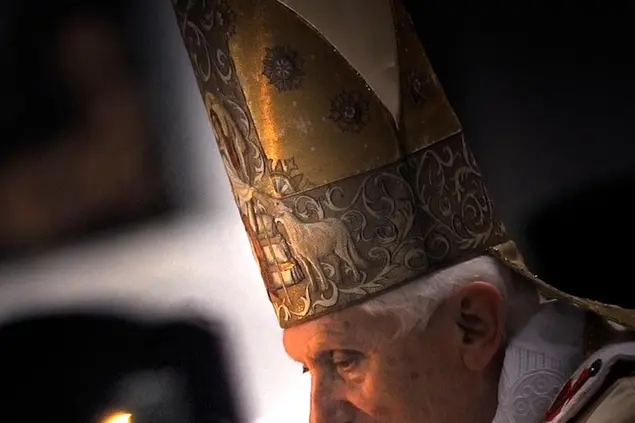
x,y
346,365
346,361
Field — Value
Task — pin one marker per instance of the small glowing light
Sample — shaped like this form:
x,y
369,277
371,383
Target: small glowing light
x,y
119,418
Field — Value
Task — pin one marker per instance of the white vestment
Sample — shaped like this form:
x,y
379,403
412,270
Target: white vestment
x,y
538,362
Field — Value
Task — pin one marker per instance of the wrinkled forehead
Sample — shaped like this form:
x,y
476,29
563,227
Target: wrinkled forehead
x,y
348,328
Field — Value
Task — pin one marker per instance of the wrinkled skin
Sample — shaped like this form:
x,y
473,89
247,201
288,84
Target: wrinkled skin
x,y
447,373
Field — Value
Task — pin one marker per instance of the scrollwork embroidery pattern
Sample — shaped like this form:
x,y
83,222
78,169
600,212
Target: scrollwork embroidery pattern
x,y
401,228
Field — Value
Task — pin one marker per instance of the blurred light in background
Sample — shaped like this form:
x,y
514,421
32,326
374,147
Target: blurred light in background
x,y
198,260
119,418
296,406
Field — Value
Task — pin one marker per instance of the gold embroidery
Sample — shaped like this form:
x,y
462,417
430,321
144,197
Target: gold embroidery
x,y
339,205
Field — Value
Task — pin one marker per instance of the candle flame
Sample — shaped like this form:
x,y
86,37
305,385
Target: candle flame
x,y
119,418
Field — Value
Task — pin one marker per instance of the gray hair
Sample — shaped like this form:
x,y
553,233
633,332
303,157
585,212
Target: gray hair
x,y
415,302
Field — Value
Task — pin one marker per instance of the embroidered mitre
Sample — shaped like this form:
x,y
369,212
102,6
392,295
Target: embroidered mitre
x,y
349,168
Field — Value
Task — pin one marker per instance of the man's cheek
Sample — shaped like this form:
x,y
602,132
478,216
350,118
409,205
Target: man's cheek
x,y
377,399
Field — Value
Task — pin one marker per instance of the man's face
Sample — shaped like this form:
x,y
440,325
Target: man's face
x,y
363,372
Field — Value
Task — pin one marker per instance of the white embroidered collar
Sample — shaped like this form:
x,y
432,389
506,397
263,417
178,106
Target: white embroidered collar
x,y
538,362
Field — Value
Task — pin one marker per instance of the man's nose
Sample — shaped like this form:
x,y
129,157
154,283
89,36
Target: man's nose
x,y
329,404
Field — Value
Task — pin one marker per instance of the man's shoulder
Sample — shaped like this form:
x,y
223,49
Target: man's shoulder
x,y
602,390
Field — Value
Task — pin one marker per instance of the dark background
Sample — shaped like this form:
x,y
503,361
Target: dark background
x,y
79,155
67,368
544,92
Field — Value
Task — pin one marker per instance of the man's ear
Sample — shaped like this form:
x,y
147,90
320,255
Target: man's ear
x,y
478,315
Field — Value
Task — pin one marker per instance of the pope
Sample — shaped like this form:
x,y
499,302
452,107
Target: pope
x,y
387,266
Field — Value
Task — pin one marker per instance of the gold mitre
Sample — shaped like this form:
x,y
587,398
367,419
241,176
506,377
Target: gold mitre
x,y
348,165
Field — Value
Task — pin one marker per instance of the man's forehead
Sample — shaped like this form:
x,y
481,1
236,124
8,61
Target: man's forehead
x,y
331,326
343,322
348,328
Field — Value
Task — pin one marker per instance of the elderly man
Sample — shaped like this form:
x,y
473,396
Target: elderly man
x,y
395,283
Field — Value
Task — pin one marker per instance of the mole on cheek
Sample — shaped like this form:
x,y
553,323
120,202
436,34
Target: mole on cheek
x,y
414,375
347,324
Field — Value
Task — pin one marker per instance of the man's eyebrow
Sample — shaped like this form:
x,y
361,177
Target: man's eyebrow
x,y
321,357
325,347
